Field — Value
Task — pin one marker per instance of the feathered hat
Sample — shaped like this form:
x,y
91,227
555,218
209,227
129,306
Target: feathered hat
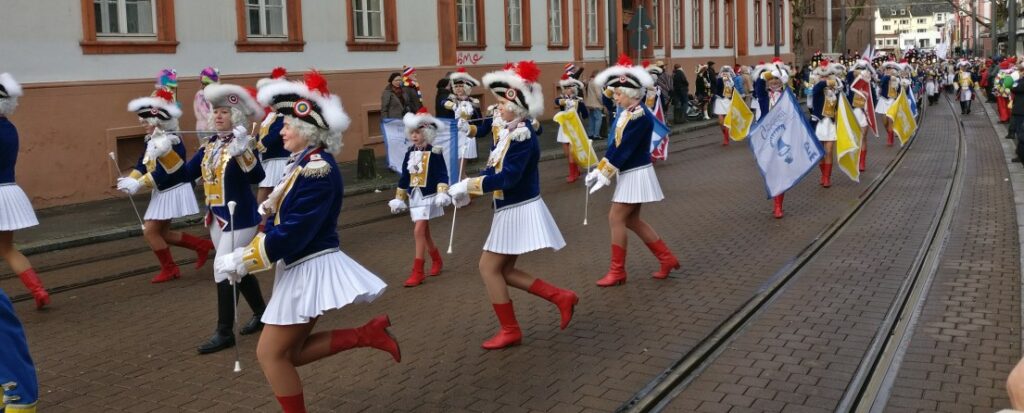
x,y
519,86
209,75
759,69
654,70
160,105
822,69
838,69
775,70
235,96
276,75
863,64
890,65
568,81
460,77
420,120
9,88
308,101
726,69
168,78
624,74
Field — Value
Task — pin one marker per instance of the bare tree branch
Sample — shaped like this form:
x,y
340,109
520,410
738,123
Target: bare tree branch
x,y
984,23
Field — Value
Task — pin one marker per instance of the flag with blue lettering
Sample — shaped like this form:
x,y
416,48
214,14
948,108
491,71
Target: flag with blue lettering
x,y
784,146
913,101
396,143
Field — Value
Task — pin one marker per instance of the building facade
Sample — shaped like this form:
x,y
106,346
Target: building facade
x,y
905,26
92,56
823,25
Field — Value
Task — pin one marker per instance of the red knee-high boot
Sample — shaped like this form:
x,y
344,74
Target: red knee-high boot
x,y
889,139
201,246
373,334
292,404
436,264
565,300
665,258
168,269
35,287
725,136
416,276
778,205
821,168
616,270
574,173
826,178
510,334
864,156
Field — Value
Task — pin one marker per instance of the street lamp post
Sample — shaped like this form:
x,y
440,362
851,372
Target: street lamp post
x,y
777,24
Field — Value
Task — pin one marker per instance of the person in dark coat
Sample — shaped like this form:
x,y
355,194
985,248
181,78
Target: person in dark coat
x,y
680,93
1017,117
443,90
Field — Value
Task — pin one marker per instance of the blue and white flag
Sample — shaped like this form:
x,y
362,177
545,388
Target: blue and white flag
x,y
913,101
396,143
784,146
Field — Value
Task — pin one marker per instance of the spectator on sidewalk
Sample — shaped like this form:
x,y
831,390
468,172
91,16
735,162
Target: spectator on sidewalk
x,y
395,100
444,88
680,93
592,100
664,82
1017,118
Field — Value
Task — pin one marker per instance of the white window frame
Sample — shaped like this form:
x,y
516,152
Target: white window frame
x,y
677,35
591,16
262,4
555,24
466,9
515,22
122,20
361,12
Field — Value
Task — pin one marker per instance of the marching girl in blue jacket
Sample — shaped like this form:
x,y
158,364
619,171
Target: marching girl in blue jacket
x,y
768,89
15,209
825,104
424,184
628,157
271,150
723,88
467,111
229,167
522,222
312,275
861,73
571,99
889,86
162,168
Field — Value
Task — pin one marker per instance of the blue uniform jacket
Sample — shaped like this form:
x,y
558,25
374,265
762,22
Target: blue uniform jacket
x,y
15,361
271,146
306,221
761,95
227,182
581,109
515,177
629,147
817,102
167,172
8,150
433,178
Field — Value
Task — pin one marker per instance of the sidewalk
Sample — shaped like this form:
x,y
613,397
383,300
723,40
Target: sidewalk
x,y
75,225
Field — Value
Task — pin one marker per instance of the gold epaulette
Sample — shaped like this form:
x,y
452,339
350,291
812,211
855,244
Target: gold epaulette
x,y
317,167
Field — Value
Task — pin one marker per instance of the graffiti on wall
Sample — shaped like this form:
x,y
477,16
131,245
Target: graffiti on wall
x,y
468,58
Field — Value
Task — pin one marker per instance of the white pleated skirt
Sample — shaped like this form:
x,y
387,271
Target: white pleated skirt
x,y
15,209
523,227
561,137
175,202
319,283
826,130
422,208
274,170
883,105
637,186
862,118
965,94
722,106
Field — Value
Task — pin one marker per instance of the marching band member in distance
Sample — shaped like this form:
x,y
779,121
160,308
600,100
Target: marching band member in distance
x,y
825,96
522,222
964,86
768,89
861,69
15,208
628,157
889,85
424,184
271,150
571,99
467,112
724,86
312,275
229,167
161,167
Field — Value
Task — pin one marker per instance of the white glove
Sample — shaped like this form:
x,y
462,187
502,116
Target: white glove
x,y
128,185
442,200
157,147
239,145
591,178
602,182
265,209
397,206
463,127
460,193
905,82
231,265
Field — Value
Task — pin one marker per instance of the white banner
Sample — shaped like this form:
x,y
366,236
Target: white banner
x,y
396,144
784,146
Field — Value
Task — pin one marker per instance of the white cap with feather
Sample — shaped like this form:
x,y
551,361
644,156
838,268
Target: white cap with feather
x,y
9,88
308,101
422,120
235,96
160,105
624,74
518,84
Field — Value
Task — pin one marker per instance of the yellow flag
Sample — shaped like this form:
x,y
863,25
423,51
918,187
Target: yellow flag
x,y
903,123
579,143
739,118
848,135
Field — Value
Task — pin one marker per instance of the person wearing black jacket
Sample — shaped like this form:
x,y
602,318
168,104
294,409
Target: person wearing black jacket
x,y
680,92
443,90
1017,118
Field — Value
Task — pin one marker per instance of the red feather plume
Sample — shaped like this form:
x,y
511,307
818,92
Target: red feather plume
x,y
461,70
776,60
528,70
565,76
509,66
422,111
624,60
165,95
278,72
646,63
314,81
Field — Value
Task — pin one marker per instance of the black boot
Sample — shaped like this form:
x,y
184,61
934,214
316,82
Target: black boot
x,y
253,326
223,337
250,289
